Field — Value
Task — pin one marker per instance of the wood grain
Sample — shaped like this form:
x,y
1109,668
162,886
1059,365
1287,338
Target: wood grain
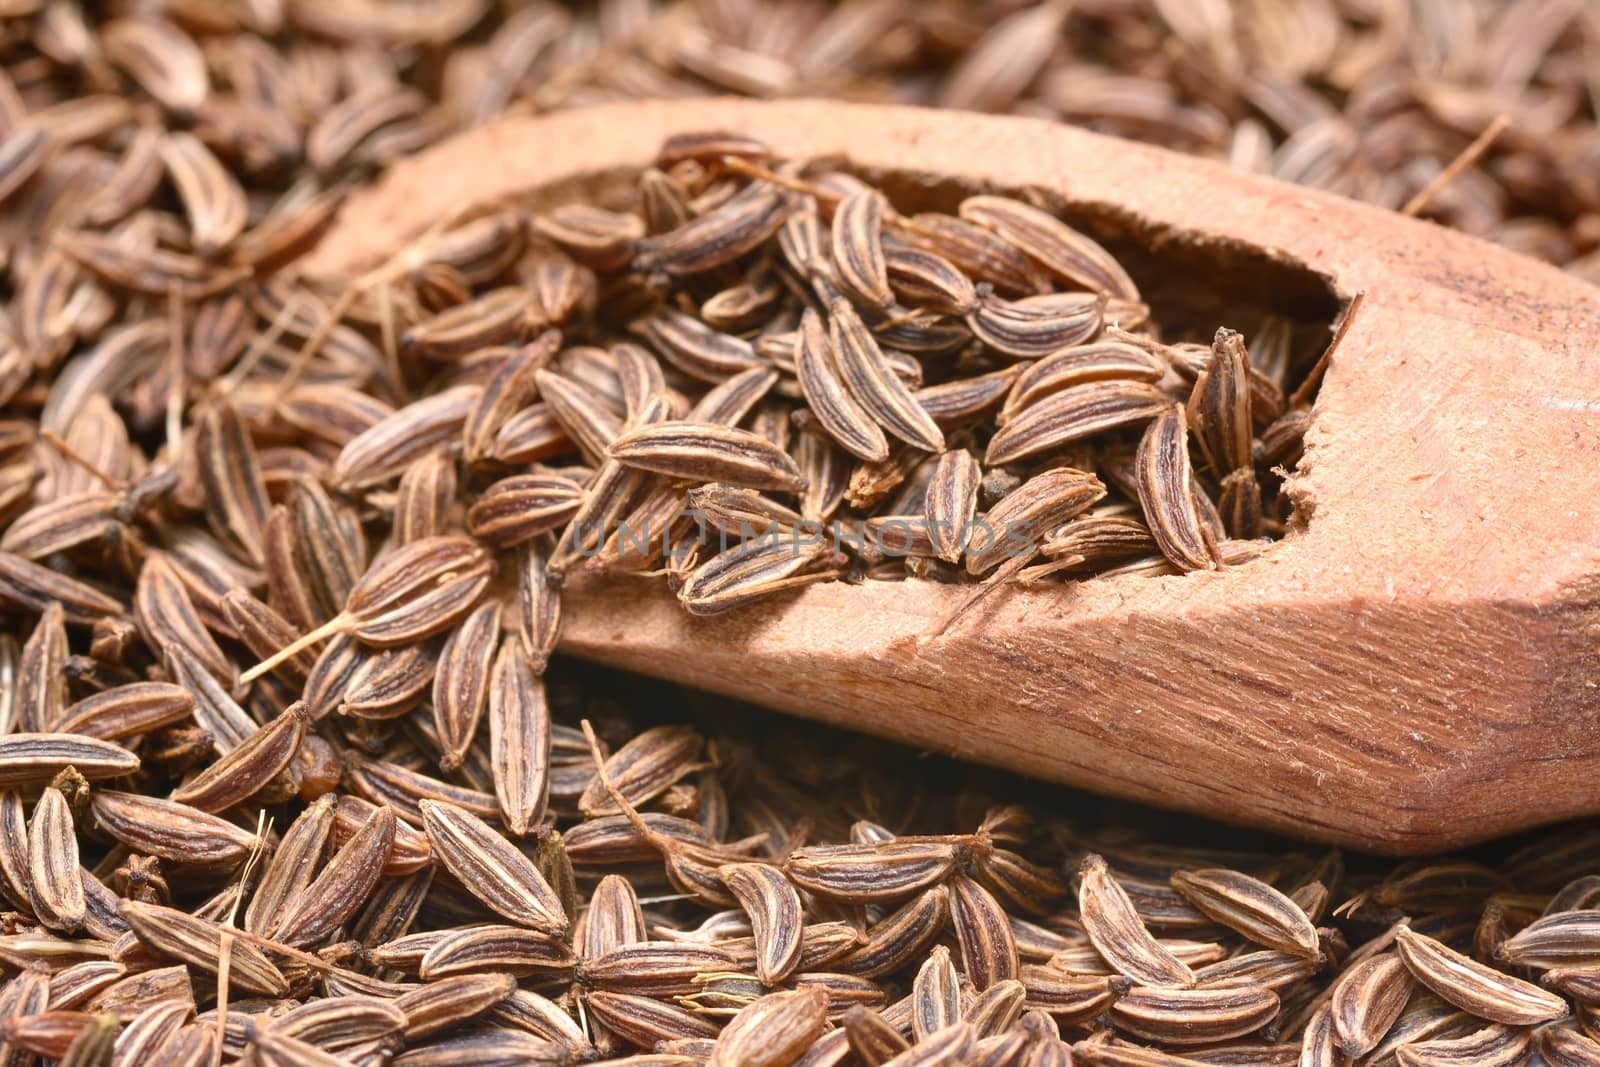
x,y
1417,668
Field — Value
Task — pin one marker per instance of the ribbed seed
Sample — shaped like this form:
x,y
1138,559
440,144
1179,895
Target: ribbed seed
x,y
706,452
723,234
988,950
776,917
411,433
199,943
170,830
341,886
443,1003
40,689
292,866
58,896
494,948
773,1031
872,873
1051,243
1193,1016
1167,494
1250,907
1561,1047
1015,526
935,995
1096,361
870,379
697,349
1074,414
1114,926
413,592
248,768
1036,326
519,740
168,618
901,936
1492,1046
1219,405
858,258
1366,1001
1072,998
951,501
491,868
1473,987
212,198
36,758
1558,939
461,681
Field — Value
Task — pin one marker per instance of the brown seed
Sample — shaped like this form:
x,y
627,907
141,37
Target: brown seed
x,y
1114,926
1473,987
494,948
1250,907
696,349
170,830
168,618
461,682
872,1038
1071,998
1492,1046
1036,326
1073,414
491,868
292,866
247,769
341,886
902,936
1219,405
23,150
36,758
415,591
440,1004
647,1022
58,895
721,235
871,381
199,943
773,1031
1167,494
872,873
212,198
127,710
1055,246
1561,1047
37,588
988,949
161,58
582,414
858,258
951,502
1366,1001
1193,1016
776,917
706,452
822,383
540,607
412,432
1561,938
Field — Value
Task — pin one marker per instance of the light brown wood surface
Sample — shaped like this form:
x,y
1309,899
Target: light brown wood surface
x,y
1417,668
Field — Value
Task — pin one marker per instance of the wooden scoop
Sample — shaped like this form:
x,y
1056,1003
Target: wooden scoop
x,y
1417,668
